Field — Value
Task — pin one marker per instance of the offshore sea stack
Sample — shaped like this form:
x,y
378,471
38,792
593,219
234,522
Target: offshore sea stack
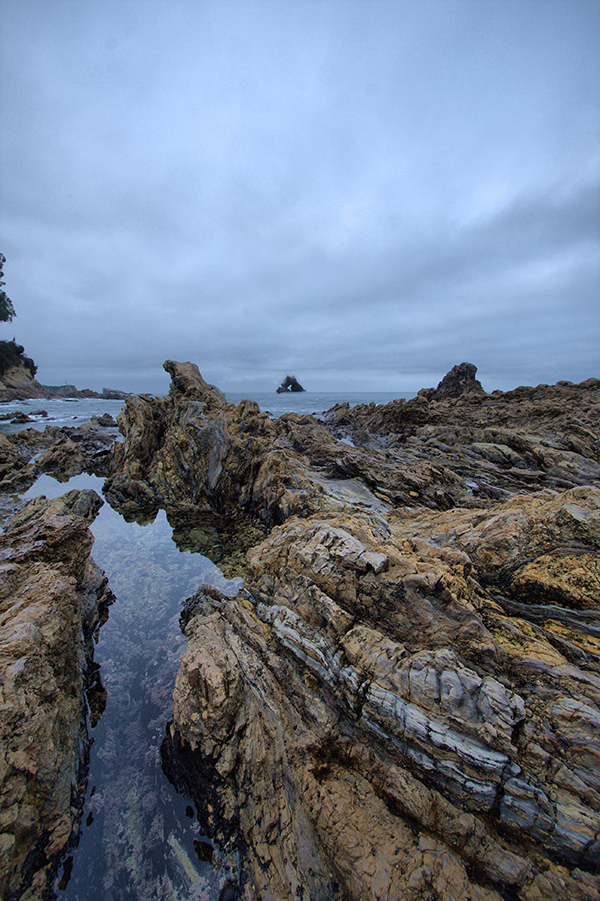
x,y
404,699
290,383
51,599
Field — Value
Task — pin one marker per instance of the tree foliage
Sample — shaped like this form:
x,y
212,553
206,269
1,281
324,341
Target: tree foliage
x,y
7,311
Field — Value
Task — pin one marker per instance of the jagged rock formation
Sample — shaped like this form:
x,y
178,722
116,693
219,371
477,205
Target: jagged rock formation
x,y
405,699
194,448
290,383
50,597
456,383
61,452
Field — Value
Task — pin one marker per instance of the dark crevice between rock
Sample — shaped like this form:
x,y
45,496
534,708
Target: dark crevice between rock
x,y
198,780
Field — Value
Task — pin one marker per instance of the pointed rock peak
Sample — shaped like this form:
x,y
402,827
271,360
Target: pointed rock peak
x,y
187,381
459,381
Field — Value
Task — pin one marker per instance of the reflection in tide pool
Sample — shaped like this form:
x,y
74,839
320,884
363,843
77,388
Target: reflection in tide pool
x,y
139,839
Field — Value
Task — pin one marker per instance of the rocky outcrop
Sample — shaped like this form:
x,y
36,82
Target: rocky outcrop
x,y
18,380
50,597
61,452
404,701
290,383
19,376
379,724
494,445
16,370
193,448
456,383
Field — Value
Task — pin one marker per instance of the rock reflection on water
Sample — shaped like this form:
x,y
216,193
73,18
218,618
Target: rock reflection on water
x,y
139,839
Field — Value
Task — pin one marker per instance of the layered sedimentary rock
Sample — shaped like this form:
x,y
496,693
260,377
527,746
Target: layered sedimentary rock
x,y
382,727
194,448
405,699
50,597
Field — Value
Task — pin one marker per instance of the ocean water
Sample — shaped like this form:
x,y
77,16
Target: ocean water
x,y
309,402
74,412
58,412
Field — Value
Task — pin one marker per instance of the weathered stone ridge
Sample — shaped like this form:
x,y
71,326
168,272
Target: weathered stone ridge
x,y
50,596
405,699
398,682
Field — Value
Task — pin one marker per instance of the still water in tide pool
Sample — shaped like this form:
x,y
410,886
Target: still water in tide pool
x,y
139,839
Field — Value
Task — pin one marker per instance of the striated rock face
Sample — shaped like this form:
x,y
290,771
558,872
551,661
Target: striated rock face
x,y
379,724
404,701
50,595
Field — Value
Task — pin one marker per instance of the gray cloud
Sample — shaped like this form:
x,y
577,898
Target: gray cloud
x,y
362,193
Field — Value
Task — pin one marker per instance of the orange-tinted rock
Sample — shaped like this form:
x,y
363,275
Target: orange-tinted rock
x,y
50,592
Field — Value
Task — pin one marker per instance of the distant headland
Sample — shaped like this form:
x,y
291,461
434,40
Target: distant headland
x,y
18,382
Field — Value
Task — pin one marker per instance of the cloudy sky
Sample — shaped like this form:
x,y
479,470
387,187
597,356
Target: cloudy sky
x,y
359,192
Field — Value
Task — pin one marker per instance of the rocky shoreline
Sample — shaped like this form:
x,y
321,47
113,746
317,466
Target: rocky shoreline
x,y
404,700
18,383
51,601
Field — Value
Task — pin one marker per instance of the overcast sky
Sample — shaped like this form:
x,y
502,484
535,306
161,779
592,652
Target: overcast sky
x,y
359,192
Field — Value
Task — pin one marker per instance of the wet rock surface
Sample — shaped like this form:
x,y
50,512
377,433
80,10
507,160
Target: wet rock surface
x,y
59,451
404,701
51,595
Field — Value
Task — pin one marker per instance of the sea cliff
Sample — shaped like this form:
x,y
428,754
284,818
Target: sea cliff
x,y
18,382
